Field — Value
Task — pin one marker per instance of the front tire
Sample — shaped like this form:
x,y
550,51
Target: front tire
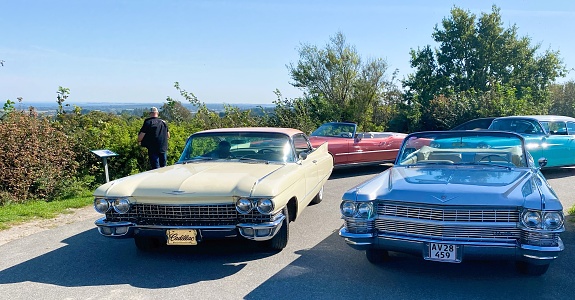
x,y
376,256
318,198
280,240
531,269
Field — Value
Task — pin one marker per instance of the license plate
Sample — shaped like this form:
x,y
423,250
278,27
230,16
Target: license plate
x,y
182,236
442,252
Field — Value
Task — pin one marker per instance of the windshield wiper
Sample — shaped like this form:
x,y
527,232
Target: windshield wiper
x,y
489,164
195,159
434,162
254,160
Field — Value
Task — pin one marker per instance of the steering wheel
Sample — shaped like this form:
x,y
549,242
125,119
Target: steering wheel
x,y
266,150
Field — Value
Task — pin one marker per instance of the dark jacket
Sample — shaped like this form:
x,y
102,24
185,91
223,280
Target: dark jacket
x,y
156,135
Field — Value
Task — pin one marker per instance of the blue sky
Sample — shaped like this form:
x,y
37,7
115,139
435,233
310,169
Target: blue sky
x,y
223,51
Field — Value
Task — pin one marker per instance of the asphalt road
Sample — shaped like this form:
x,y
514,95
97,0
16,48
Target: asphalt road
x,y
74,262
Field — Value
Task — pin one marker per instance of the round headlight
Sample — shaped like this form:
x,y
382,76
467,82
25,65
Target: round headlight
x,y
244,206
121,205
265,206
365,210
531,219
435,145
101,205
347,208
552,220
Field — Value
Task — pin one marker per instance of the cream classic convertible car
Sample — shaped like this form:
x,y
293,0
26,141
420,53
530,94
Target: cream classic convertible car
x,y
248,182
452,196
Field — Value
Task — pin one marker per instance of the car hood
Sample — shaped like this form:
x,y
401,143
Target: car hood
x,y
208,181
451,186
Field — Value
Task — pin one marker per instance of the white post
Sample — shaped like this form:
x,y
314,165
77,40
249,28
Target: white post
x,y
106,168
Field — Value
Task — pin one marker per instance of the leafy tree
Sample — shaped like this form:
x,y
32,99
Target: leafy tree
x,y
62,94
477,56
174,111
190,97
563,99
9,106
336,80
292,113
207,119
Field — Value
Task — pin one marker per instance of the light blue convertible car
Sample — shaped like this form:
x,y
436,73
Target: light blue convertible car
x,y
479,195
552,137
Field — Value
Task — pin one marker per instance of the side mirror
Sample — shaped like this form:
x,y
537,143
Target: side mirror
x,y
303,155
542,162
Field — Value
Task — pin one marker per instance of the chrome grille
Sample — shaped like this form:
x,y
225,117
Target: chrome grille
x,y
448,222
540,239
437,231
186,215
359,225
448,214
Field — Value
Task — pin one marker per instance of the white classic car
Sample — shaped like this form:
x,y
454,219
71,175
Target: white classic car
x,y
457,195
248,182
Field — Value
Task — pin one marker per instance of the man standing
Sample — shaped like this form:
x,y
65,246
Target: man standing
x,y
154,135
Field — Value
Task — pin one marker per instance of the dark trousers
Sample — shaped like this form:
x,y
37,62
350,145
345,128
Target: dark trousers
x,y
157,160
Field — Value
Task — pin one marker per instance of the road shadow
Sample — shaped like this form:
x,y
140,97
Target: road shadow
x,y
89,259
347,172
556,173
333,270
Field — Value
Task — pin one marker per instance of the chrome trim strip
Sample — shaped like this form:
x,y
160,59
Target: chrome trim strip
x,y
262,178
422,240
274,227
372,151
557,248
357,243
540,257
101,223
218,227
346,234
471,224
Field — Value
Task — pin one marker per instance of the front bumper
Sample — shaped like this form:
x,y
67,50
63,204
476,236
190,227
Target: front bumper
x,y
252,231
466,249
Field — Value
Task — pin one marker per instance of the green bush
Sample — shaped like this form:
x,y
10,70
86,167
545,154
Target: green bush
x,y
36,159
98,130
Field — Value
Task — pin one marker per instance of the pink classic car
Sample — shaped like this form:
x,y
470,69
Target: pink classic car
x,y
349,147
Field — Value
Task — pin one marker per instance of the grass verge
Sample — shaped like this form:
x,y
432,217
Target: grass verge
x,y
14,214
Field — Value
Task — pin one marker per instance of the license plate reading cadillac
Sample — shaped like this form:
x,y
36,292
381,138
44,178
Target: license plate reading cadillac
x,y
442,252
182,237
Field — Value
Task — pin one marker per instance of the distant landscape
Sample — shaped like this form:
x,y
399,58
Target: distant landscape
x,y
49,108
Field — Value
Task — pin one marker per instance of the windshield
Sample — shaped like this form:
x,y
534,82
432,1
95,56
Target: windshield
x,y
558,127
458,147
346,130
273,147
521,126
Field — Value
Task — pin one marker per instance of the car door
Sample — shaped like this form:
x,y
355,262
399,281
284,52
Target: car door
x,y
309,168
364,148
570,153
559,145
375,147
341,148
571,143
